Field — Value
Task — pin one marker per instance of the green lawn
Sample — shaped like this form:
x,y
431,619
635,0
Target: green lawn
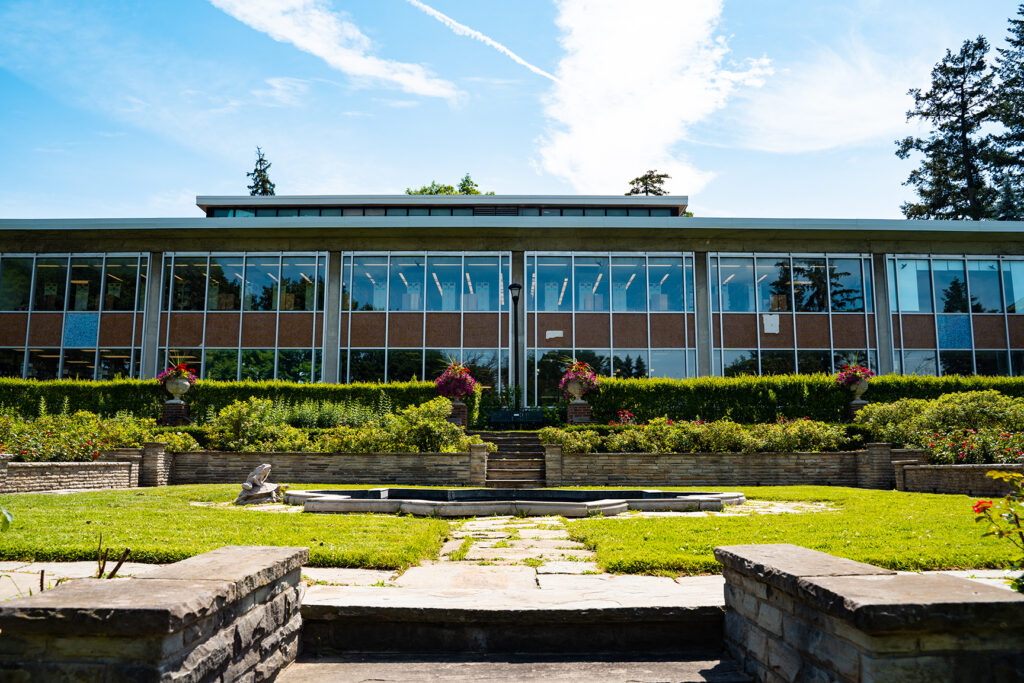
x,y
160,525
888,528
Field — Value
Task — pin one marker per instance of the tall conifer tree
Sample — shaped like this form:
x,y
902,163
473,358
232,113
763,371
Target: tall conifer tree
x,y
261,184
1010,112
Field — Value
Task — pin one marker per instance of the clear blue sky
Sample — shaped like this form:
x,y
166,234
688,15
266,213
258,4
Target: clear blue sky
x,y
756,108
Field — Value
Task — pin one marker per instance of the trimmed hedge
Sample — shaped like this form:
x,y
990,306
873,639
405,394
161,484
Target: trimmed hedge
x,y
143,397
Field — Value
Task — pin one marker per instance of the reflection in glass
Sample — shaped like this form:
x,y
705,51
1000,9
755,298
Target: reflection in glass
x,y
669,363
956,362
992,363
689,283
810,361
550,367
777,362
599,360
366,365
119,284
629,278
406,283
85,282
484,284
193,358
222,364
483,365
187,282
436,360
919,363
261,280
914,287
630,363
737,283
950,286
444,284
552,291
51,279
983,281
294,365
257,364
370,285
404,364
773,284
225,289
809,284
79,364
11,361
739,362
43,363
1017,362
1013,284
852,357
591,274
845,281
665,277
15,283
299,286
115,364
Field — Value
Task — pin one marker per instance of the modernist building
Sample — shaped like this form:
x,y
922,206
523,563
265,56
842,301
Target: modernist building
x,y
364,288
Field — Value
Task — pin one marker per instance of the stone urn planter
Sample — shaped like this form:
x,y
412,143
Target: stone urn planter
x,y
176,387
575,389
858,389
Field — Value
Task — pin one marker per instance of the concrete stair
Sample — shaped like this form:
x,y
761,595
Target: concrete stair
x,y
519,462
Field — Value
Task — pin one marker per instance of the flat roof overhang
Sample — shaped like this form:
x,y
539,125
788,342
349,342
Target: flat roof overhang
x,y
500,233
407,200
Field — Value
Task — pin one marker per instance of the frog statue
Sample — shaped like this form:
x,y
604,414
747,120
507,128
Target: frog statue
x,y
257,489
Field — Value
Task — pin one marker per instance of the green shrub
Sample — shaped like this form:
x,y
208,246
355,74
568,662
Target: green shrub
x,y
255,425
975,446
914,421
571,441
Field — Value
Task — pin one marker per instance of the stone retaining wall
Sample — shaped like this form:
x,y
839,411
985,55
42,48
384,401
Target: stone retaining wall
x,y
229,615
966,479
869,468
794,614
114,470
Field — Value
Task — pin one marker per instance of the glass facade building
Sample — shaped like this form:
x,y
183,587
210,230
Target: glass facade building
x,y
391,288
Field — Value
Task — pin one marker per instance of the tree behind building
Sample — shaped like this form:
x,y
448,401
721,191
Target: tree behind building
x,y
261,184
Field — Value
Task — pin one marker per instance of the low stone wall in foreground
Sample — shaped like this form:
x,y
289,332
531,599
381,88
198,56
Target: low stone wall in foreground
x,y
231,615
794,614
113,470
971,480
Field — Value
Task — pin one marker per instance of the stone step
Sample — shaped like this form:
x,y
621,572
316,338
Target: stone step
x,y
348,619
515,463
515,483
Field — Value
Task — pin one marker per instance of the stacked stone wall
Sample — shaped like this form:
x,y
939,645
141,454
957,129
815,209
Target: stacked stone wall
x,y
971,480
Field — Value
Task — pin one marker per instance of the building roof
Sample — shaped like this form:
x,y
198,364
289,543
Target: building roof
x,y
406,200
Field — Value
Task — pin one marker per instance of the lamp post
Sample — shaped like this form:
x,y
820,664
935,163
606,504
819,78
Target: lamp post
x,y
514,290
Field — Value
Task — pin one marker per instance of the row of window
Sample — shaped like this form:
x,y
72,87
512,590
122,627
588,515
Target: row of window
x,y
959,362
945,285
438,211
73,283
782,283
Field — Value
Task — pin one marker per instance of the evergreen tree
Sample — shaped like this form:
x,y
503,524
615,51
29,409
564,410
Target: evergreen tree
x,y
952,181
650,183
1010,112
261,184
467,186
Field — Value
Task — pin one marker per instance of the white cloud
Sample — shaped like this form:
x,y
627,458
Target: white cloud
x,y
838,98
283,92
311,26
635,77
463,30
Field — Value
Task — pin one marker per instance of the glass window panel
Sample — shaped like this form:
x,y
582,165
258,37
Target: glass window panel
x,y
954,331
550,368
330,212
639,212
593,212
913,286
11,361
956,362
598,359
444,283
295,365
773,284
287,213
222,364
370,284
1013,284
461,212
440,212
43,363
777,362
85,282
615,212
193,358
526,211
366,365
188,283
51,279
419,212
689,283
629,363
397,212
309,212
737,284
222,213
261,280
714,280
846,282
436,360
591,283
318,365
483,284
809,285
225,287
16,283
406,283
1017,362
298,283
950,286
739,362
482,364
242,213
869,301
404,365
666,283
668,363
992,363
119,284
79,364
550,212
629,279
810,361
572,212
554,283
891,269
115,364
919,363
983,280
504,370
661,213
257,364
266,213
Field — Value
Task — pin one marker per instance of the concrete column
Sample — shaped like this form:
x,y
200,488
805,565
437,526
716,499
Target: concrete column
x,y
702,304
519,275
150,361
883,316
332,317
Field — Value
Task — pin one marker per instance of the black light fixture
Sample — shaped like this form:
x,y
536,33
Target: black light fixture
x,y
514,290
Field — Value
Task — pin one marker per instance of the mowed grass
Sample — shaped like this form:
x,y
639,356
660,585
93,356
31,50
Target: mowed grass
x,y
912,531
160,525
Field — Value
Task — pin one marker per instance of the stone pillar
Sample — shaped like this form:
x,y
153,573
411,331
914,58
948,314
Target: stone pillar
x,y
150,361
519,275
578,412
874,467
132,456
4,459
883,316
552,465
900,474
156,465
478,464
702,314
332,319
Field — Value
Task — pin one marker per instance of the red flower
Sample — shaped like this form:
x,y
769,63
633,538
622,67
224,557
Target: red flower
x,y
95,455
982,505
